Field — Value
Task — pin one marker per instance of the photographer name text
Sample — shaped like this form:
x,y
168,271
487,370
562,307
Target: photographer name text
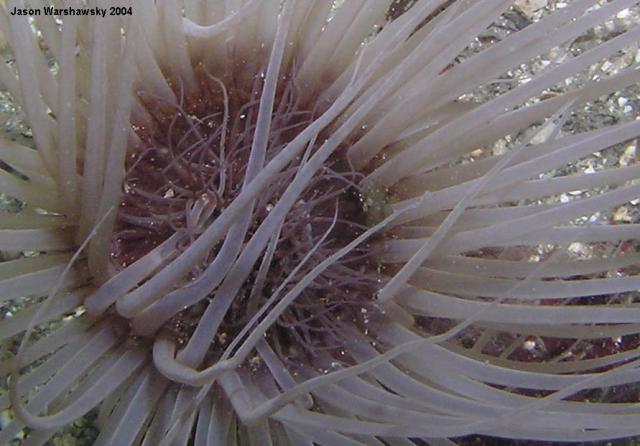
x,y
53,11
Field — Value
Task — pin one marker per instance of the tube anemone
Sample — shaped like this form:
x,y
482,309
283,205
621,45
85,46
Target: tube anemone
x,y
285,222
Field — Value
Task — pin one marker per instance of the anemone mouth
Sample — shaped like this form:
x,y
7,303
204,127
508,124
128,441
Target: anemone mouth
x,y
190,163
